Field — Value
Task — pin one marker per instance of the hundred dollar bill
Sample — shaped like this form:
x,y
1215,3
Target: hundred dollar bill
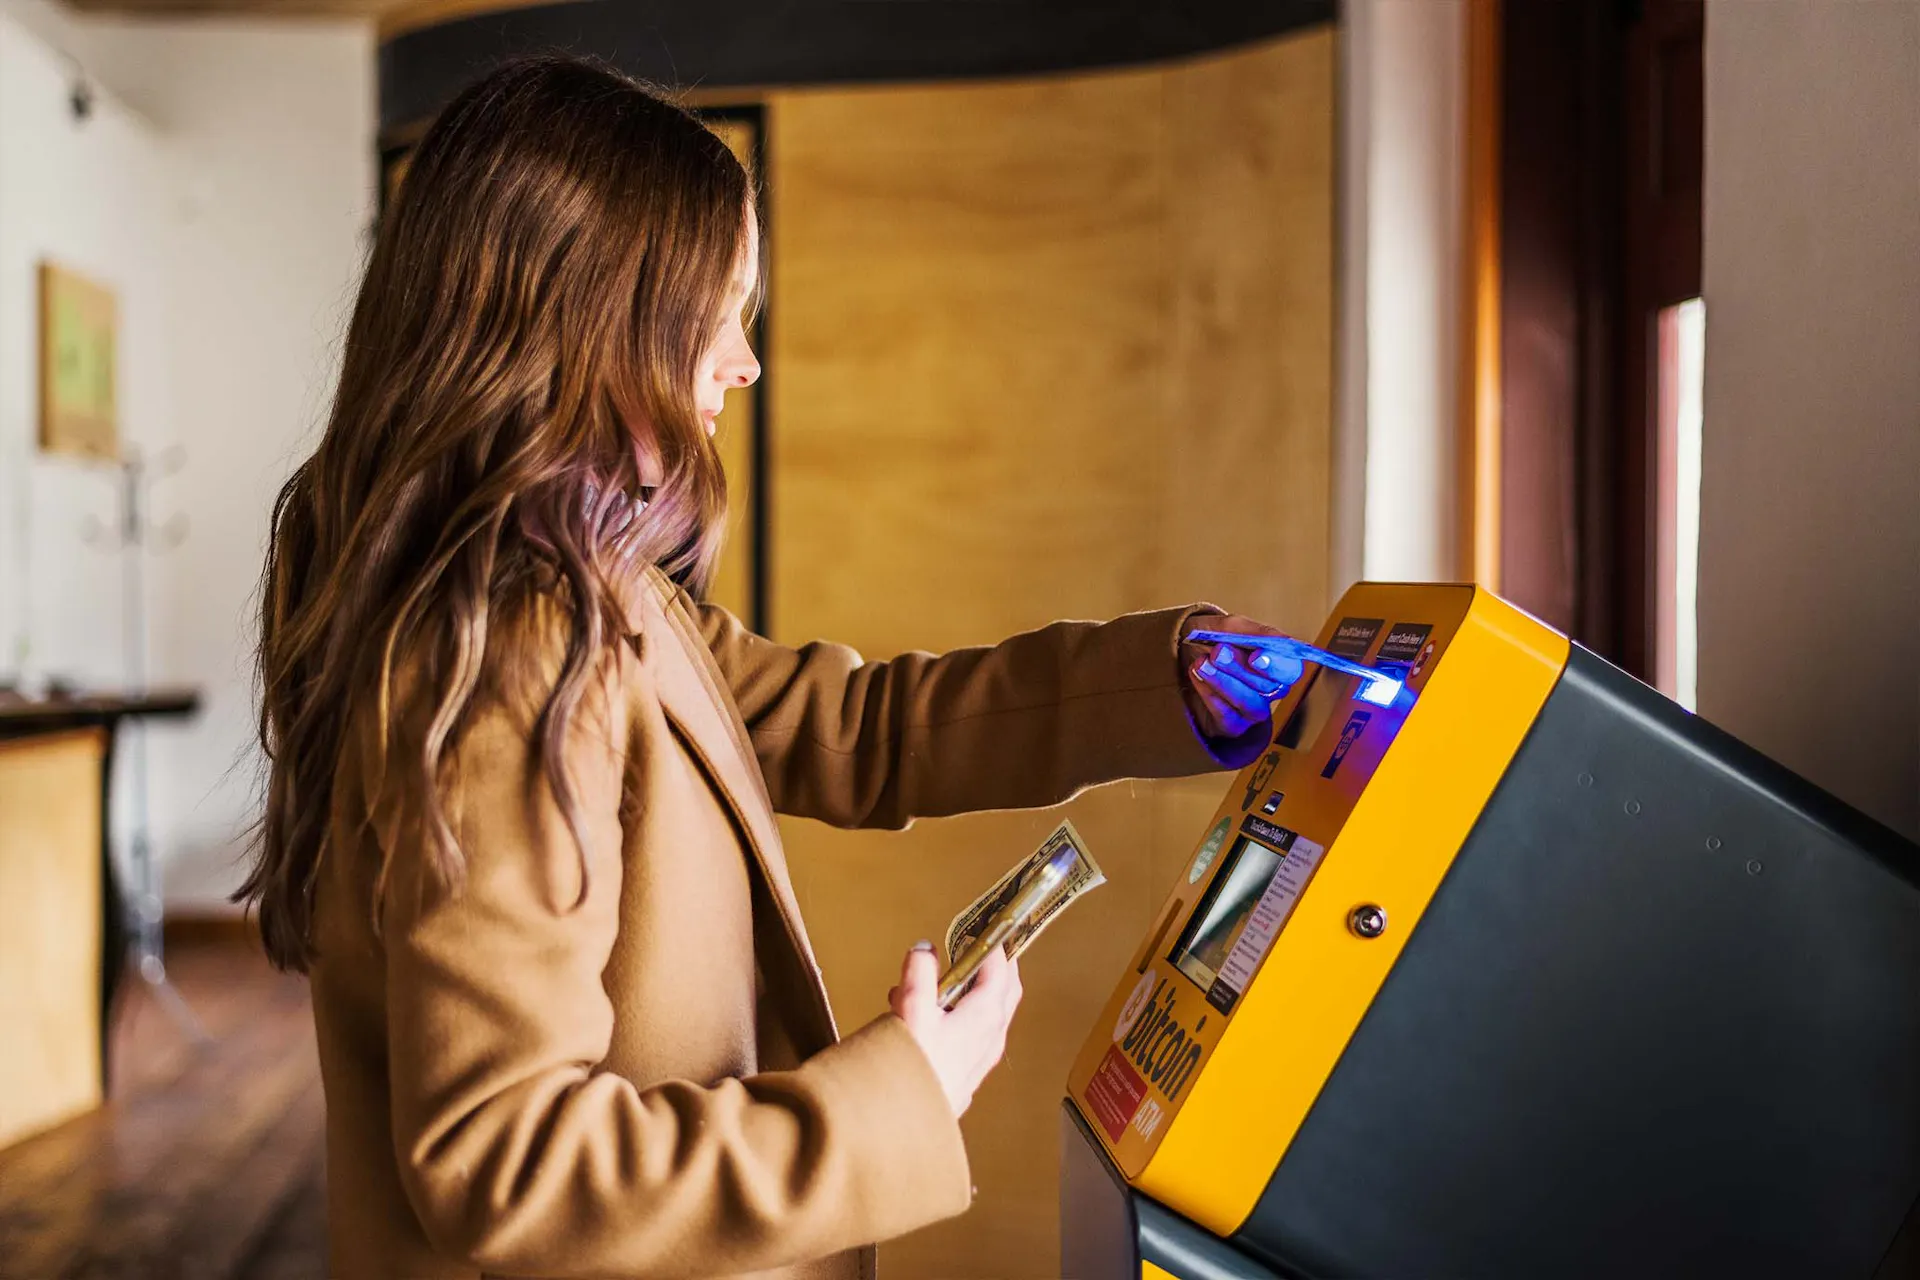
x,y
979,915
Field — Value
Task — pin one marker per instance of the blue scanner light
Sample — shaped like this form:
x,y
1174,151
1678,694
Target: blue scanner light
x,y
1382,691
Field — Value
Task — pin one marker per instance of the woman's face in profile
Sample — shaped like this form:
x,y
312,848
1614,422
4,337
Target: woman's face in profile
x,y
729,362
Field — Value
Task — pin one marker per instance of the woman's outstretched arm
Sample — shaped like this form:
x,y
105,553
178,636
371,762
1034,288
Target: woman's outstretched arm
x,y
1022,724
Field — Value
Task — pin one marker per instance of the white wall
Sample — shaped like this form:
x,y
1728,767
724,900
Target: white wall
x,y
273,125
89,194
66,186
236,278
1810,492
1402,245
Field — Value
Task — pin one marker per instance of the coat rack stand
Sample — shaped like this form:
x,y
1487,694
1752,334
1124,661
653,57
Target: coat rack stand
x,y
133,537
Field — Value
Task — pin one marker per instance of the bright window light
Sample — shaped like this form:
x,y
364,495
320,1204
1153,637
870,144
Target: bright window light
x,y
1683,341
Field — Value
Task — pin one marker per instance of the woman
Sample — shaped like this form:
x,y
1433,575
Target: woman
x,y
519,827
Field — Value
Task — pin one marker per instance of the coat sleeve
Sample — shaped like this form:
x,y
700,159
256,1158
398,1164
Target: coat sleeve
x,y
1024,724
520,1154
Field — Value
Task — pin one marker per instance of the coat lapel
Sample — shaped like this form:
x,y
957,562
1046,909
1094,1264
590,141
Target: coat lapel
x,y
700,710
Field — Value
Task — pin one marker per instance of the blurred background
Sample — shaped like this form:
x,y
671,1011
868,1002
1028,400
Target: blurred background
x,y
1075,308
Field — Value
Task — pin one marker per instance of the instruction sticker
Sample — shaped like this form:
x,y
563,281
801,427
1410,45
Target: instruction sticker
x,y
1274,836
1115,1093
1354,636
1348,736
1403,641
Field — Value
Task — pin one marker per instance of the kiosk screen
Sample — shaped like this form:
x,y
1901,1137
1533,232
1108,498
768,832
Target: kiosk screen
x,y
1218,923
1248,903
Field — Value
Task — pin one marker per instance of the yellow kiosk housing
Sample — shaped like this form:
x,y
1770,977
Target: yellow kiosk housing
x,y
1527,973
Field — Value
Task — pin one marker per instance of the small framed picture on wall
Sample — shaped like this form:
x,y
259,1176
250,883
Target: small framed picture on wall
x,y
79,396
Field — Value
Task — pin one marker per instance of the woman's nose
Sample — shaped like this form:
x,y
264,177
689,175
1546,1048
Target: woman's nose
x,y
742,372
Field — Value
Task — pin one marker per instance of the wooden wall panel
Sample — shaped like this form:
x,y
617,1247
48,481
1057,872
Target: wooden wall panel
x,y
1049,349
49,929
970,321
1246,506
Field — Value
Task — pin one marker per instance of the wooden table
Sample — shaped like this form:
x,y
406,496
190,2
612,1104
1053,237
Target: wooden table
x,y
62,915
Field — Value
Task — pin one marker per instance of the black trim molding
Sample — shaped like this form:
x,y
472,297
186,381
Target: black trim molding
x,y
766,43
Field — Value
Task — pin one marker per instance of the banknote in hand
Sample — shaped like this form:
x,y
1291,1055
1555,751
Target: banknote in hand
x,y
979,915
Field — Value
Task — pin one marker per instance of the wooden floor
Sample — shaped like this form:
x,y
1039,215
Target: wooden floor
x,y
208,1160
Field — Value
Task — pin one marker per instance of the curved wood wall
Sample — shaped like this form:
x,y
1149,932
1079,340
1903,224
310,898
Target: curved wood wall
x,y
1058,348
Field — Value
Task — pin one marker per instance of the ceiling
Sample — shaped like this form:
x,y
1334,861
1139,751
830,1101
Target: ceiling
x,y
393,16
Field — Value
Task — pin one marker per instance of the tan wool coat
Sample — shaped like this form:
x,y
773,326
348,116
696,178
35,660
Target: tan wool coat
x,y
636,1073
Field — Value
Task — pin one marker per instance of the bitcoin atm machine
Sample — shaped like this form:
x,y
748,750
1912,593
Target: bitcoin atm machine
x,y
1525,973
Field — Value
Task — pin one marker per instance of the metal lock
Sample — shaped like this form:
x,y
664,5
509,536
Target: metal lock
x,y
1367,920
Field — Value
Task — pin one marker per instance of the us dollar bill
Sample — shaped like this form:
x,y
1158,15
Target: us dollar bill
x,y
979,914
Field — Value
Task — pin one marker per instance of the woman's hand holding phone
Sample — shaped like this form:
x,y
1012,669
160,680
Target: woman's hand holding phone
x,y
964,1043
1232,688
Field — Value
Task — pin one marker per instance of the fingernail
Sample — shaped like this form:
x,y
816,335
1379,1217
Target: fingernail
x,y
1206,668
1261,662
923,945
1224,655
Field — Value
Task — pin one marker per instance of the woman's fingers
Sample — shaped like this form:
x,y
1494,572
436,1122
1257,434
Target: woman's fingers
x,y
1222,719
1227,669
987,1008
1260,669
1212,699
964,1043
919,982
1245,701
986,990
1265,672
1278,670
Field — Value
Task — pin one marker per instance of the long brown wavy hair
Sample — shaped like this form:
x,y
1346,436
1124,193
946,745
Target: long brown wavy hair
x,y
535,307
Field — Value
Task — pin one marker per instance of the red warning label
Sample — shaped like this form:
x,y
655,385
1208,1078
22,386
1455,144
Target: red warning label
x,y
1115,1093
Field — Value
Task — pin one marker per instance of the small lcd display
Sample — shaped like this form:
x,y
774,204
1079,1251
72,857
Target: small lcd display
x,y
1222,915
